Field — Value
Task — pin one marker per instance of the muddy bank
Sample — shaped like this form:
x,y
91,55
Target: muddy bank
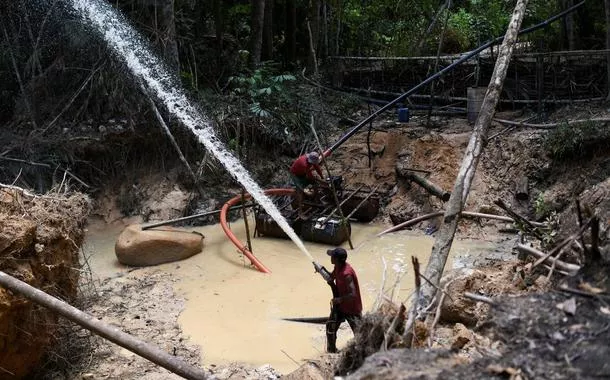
x,y
536,337
40,241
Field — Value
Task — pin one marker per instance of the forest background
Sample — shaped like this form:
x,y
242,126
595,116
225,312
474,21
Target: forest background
x,y
245,62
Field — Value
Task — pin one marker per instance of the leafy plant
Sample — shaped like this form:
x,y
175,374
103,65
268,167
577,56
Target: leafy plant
x,y
262,90
574,141
541,207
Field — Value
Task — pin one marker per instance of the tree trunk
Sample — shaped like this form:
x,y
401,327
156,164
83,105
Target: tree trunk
x,y
323,51
219,26
267,53
291,31
607,2
570,29
459,195
256,35
313,28
167,30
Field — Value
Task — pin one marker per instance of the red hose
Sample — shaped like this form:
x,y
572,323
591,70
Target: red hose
x,y
223,223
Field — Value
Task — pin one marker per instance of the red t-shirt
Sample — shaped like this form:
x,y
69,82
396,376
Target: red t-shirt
x,y
301,168
353,305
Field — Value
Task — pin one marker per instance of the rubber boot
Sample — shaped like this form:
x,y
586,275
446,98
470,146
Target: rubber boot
x,y
331,337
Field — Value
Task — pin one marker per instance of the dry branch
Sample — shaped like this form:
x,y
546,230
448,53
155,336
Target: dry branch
x,y
413,311
563,244
400,316
480,298
527,224
558,263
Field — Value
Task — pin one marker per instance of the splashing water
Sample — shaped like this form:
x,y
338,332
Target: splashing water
x,y
126,42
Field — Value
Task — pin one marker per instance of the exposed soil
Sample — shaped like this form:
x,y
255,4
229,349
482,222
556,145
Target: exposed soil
x,y
524,335
39,244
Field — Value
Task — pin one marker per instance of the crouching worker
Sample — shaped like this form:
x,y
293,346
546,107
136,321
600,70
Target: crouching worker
x,y
346,304
301,173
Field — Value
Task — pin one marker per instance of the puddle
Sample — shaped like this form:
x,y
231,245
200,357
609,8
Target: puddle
x,y
235,312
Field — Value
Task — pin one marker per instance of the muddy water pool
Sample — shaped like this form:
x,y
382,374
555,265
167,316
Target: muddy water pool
x,y
235,312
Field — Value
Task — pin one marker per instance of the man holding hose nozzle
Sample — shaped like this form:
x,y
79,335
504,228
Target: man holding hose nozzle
x,y
346,304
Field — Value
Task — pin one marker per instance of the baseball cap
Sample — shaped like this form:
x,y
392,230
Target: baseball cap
x,y
313,158
337,252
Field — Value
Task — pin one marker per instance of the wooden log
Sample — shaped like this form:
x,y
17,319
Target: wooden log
x,y
521,188
430,186
113,334
558,263
413,221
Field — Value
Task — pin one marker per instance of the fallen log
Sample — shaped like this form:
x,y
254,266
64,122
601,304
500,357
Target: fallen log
x,y
413,221
113,334
558,263
553,125
521,188
430,187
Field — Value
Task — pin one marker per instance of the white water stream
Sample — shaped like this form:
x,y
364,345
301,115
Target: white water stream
x,y
130,47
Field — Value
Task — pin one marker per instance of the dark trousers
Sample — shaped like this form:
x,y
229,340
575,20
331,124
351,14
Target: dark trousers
x,y
333,324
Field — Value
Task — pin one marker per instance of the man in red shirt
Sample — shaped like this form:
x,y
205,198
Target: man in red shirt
x,y
346,302
301,173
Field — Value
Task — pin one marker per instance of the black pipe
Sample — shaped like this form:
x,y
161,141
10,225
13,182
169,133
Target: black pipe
x,y
372,116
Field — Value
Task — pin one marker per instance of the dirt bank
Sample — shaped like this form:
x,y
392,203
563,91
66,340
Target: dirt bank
x,y
39,244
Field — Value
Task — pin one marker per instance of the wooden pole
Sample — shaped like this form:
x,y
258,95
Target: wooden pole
x,y
332,185
191,217
459,195
243,210
362,202
113,334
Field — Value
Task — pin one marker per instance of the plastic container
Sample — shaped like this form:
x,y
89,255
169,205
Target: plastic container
x,y
475,96
403,115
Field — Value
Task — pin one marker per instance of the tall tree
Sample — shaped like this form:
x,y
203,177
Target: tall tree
x,y
256,36
570,26
219,24
607,4
267,53
291,31
167,32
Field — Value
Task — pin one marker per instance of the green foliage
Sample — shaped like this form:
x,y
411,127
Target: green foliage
x,y
541,207
550,232
573,141
460,29
262,90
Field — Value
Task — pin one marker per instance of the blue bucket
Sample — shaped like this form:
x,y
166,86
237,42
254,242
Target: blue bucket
x,y
403,115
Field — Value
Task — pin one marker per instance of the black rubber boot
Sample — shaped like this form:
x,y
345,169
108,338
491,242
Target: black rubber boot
x,y
331,337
